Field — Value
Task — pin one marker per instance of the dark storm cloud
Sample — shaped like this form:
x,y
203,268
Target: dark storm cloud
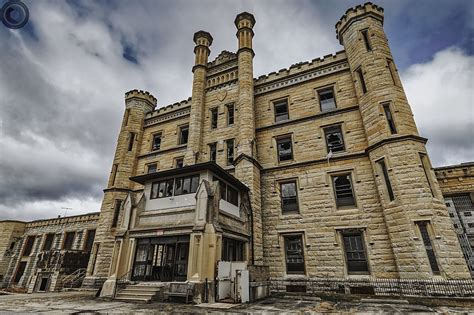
x,y
63,77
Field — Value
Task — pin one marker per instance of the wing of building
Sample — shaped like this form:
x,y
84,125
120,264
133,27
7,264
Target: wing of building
x,y
315,171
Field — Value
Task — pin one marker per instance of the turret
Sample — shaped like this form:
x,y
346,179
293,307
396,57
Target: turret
x,y
419,227
203,41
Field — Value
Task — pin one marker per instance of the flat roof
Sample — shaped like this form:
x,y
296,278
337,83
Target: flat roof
x,y
211,166
466,164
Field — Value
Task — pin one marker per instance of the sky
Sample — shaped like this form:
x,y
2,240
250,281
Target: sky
x,y
63,78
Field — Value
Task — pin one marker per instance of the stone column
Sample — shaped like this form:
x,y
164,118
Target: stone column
x,y
203,41
417,196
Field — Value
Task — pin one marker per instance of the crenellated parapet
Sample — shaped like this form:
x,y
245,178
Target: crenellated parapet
x,y
172,111
355,13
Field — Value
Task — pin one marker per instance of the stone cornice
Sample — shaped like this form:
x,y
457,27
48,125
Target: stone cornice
x,y
160,152
243,156
182,112
243,49
116,189
395,139
94,216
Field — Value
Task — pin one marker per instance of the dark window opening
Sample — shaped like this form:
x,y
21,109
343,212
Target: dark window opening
x,y
343,190
12,245
127,114
334,139
232,250
48,242
183,134
422,225
156,142
285,150
228,193
289,197
179,162
28,246
118,205
470,225
426,169
230,151
131,139
214,115
355,253
455,225
230,114
451,215
20,271
152,168
213,152
467,214
388,185
365,36
389,116
326,99
392,70
69,240
281,110
175,187
89,240
114,173
294,254
361,80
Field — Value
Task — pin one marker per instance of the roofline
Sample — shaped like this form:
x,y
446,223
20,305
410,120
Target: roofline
x,y
212,166
68,217
14,221
466,164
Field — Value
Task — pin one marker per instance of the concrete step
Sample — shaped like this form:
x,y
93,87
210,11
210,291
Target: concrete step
x,y
132,299
137,295
384,301
142,288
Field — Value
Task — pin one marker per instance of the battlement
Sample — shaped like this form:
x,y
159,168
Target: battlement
x,y
145,95
301,67
367,9
169,108
93,216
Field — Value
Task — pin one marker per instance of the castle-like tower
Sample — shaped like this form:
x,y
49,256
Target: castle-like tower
x,y
316,171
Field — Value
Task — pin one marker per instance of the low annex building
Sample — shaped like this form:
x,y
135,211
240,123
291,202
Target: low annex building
x,y
312,172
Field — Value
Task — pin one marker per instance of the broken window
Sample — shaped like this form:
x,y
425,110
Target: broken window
x,y
28,246
20,271
214,116
294,254
281,110
183,134
355,254
228,193
289,197
343,190
175,187
326,99
285,150
334,139
48,242
156,145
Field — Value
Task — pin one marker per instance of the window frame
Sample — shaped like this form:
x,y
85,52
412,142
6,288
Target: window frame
x,y
333,180
323,90
177,160
388,113
223,191
148,167
361,79
366,40
287,182
211,146
336,126
156,135
180,134
286,238
228,161
229,116
166,181
87,240
283,138
117,208
388,184
355,233
52,235
65,241
214,115
27,249
426,238
279,102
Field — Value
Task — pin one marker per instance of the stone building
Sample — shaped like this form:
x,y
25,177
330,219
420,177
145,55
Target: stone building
x,y
46,255
457,185
315,171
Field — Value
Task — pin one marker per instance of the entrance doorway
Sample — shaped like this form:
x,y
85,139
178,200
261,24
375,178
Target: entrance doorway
x,y
161,259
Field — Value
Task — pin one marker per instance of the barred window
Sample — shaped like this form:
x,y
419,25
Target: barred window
x,y
343,190
425,236
355,253
289,197
294,254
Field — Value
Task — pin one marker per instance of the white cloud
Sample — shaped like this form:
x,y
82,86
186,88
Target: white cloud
x,y
441,94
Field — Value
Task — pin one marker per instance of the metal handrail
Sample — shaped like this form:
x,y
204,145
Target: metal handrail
x,y
122,281
79,273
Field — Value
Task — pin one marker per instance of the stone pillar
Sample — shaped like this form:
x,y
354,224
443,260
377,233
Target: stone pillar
x,y
203,41
417,196
137,105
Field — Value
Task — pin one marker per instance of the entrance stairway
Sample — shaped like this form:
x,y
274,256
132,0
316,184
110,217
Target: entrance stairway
x,y
141,292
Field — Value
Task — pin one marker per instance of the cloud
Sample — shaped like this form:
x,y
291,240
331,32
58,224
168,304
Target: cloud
x,y
441,94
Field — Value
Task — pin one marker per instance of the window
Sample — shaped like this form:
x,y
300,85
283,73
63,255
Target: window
x,y
455,225
281,110
355,254
156,145
294,254
182,186
179,162
361,80
230,151
20,271
467,214
343,190
365,36
334,139
12,245
89,240
28,246
471,225
214,116
152,168
114,174
230,114
326,99
228,193
289,197
422,225
48,242
117,206
131,139
232,250
183,134
69,240
388,185
213,152
392,70
451,215
126,116
285,150
389,116
426,168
